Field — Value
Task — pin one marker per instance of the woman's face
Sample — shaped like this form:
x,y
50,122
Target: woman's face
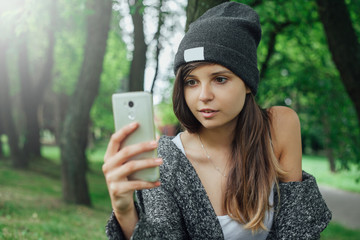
x,y
215,95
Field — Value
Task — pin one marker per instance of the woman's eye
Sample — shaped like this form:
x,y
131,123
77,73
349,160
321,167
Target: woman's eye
x,y
190,82
220,79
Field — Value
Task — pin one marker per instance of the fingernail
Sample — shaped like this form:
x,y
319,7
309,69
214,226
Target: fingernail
x,y
153,143
133,124
158,160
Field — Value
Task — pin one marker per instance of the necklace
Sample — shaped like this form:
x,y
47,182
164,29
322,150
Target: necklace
x,y
208,157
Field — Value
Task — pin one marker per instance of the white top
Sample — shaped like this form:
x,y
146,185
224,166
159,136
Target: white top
x,y
232,229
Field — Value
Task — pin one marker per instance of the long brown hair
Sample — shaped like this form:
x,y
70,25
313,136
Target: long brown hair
x,y
254,167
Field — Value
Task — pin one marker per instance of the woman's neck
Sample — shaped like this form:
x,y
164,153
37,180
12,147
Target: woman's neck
x,y
217,138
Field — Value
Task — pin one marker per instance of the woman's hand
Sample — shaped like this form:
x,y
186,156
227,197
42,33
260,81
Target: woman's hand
x,y
117,168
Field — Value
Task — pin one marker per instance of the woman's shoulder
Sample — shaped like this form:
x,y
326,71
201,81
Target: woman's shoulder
x,y
284,121
283,116
286,138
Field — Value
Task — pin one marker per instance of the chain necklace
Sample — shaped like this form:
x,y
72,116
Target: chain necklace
x,y
209,158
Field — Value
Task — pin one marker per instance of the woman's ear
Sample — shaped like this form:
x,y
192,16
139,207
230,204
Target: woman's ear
x,y
248,90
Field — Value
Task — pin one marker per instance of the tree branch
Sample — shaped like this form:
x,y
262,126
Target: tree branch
x,y
278,28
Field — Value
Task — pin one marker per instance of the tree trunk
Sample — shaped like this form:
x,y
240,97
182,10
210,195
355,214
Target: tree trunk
x,y
61,105
138,64
1,147
29,101
328,149
158,44
343,45
32,92
6,119
330,155
75,129
196,8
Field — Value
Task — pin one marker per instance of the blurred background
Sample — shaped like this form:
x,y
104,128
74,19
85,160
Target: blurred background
x,y
61,60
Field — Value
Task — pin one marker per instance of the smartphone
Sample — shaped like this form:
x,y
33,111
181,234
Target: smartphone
x,y
137,107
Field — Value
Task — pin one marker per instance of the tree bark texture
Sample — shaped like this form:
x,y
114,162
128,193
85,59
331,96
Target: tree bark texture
x,y
138,64
75,129
32,92
343,45
196,8
6,119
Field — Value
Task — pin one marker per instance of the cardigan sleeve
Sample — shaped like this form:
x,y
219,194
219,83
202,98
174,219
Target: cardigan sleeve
x,y
159,217
301,213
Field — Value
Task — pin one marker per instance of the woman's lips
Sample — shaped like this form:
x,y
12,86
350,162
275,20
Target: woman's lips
x,y
208,113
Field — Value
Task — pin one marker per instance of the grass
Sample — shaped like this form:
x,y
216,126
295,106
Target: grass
x,y
335,231
31,204
319,167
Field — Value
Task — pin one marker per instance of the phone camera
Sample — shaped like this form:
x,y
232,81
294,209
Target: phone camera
x,y
131,104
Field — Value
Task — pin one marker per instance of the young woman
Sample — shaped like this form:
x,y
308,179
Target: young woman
x,y
235,170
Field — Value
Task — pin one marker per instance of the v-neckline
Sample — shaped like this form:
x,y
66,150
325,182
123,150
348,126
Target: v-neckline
x,y
194,173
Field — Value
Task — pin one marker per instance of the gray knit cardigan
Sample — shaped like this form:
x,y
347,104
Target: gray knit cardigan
x,y
181,209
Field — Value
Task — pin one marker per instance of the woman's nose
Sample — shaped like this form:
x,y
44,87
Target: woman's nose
x,y
206,93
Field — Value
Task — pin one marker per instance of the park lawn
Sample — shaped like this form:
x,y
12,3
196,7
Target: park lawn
x,y
31,205
319,167
335,231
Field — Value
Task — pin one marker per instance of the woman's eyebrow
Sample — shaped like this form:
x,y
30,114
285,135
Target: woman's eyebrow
x,y
221,72
190,76
212,74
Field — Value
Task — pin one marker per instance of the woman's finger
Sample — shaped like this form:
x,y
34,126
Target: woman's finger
x,y
118,137
130,167
127,153
121,187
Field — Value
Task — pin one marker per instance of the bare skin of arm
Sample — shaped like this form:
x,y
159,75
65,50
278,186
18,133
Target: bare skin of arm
x,y
286,138
116,168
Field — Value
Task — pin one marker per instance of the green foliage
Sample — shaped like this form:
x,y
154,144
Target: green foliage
x,y
5,145
25,20
20,16
164,112
301,74
353,7
69,57
68,60
138,6
69,49
115,69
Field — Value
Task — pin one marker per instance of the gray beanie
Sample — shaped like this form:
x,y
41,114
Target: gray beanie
x,y
227,34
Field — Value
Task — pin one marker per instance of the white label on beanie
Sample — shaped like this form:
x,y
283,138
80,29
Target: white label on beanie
x,y
194,54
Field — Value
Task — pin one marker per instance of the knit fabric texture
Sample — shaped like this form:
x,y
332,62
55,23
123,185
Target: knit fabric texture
x,y
181,209
227,34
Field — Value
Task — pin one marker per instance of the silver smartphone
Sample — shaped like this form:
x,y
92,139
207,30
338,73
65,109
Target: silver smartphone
x,y
137,107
